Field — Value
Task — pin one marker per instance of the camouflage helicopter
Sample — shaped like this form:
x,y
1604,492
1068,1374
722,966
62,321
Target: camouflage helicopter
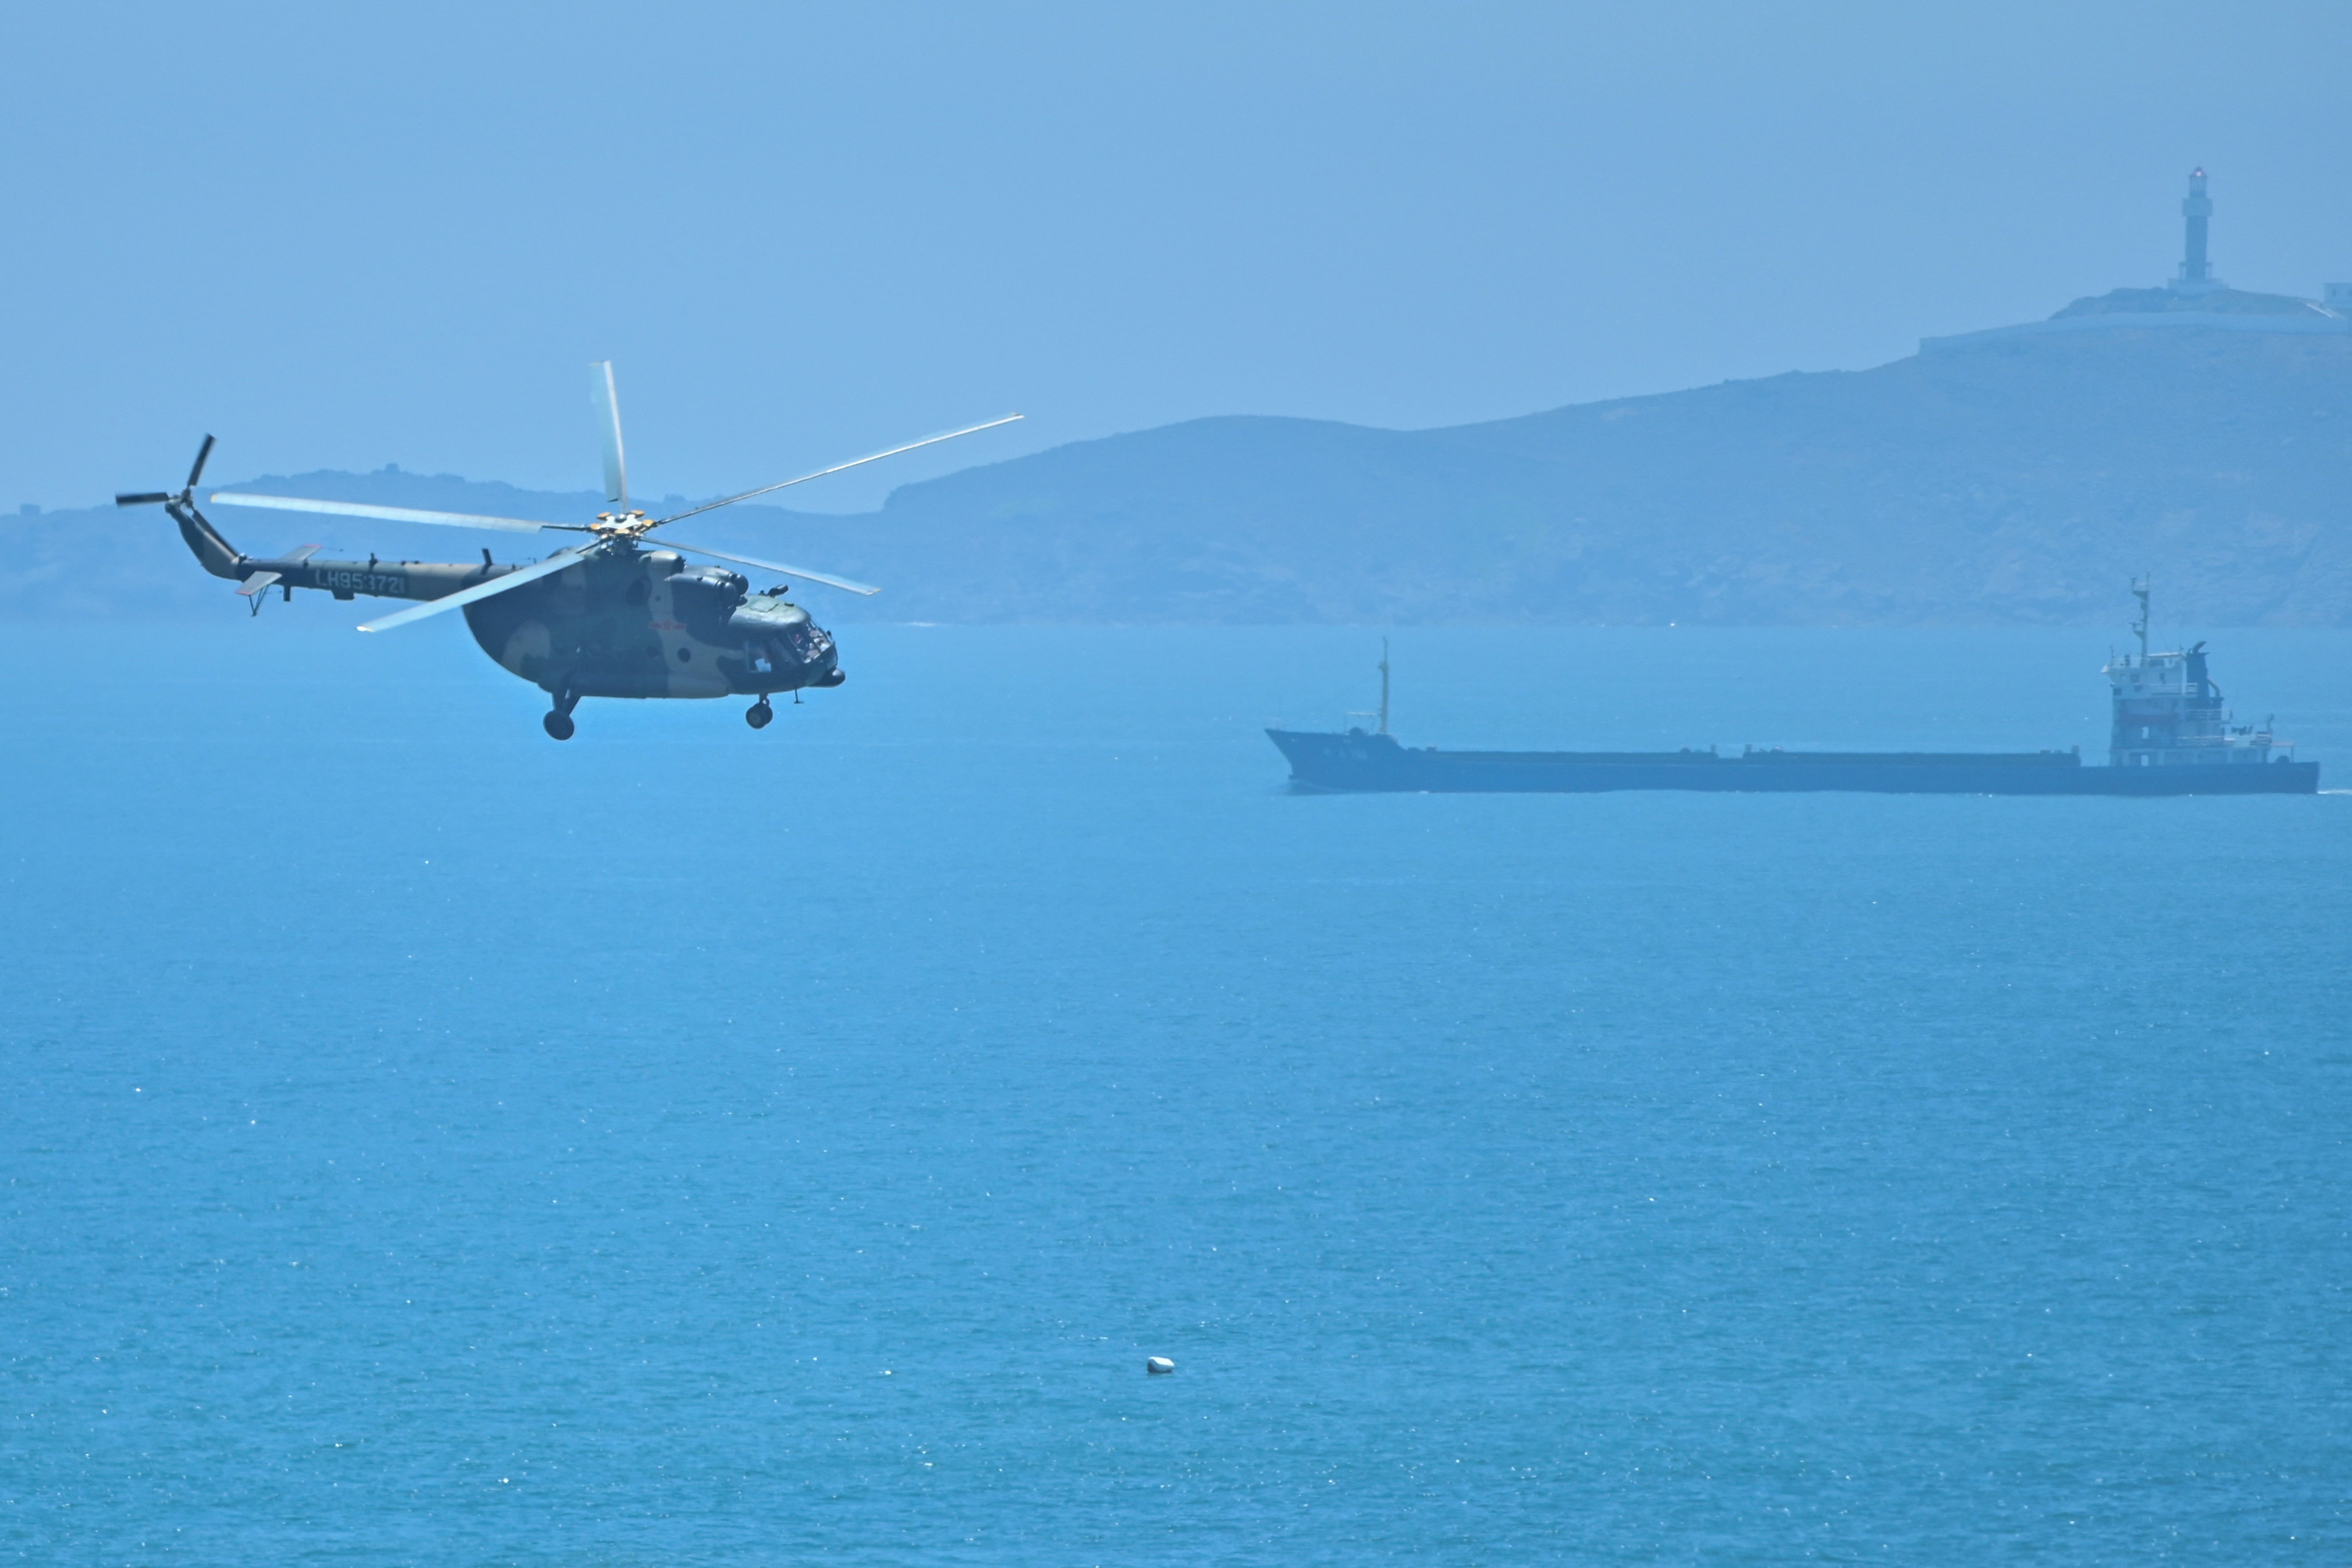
x,y
620,614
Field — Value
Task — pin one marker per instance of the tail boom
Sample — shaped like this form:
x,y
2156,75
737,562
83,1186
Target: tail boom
x,y
374,576
377,579
215,554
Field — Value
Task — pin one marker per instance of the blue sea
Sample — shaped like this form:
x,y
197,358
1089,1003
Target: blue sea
x,y
425,1142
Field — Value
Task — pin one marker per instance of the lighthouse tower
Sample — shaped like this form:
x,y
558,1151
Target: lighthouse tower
x,y
2195,271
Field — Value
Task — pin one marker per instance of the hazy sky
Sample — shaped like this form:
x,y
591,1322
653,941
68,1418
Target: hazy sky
x,y
343,237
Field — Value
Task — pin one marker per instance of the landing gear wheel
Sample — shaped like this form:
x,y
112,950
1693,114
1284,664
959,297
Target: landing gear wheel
x,y
558,722
758,715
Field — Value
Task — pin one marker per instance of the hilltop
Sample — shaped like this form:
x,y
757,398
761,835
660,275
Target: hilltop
x,y
2014,480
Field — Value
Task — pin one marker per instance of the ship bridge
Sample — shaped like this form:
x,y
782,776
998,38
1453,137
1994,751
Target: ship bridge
x,y
2169,714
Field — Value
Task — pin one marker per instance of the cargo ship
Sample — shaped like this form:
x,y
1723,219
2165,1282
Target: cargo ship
x,y
2171,735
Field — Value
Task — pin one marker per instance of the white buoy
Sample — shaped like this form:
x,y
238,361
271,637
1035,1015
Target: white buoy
x,y
1156,1365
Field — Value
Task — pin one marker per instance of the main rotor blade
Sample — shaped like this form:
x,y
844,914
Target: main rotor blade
x,y
853,462
196,471
777,566
569,556
606,400
148,500
389,514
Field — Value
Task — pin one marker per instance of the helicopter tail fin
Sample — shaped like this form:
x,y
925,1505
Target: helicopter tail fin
x,y
216,554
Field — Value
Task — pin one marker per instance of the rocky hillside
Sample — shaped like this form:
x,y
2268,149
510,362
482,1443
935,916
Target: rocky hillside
x,y
2017,481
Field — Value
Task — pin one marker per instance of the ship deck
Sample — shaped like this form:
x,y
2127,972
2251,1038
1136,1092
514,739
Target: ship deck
x,y
1358,763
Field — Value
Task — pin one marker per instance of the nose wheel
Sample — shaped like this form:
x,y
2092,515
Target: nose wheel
x,y
758,715
558,720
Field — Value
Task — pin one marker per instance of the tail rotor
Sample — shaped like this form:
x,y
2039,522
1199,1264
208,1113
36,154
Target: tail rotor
x,y
196,469
164,498
219,557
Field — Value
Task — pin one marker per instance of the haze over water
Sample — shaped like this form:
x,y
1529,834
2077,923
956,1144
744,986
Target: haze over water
x,y
427,1143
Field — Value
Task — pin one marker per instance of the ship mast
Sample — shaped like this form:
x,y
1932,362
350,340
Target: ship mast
x,y
2139,627
1384,684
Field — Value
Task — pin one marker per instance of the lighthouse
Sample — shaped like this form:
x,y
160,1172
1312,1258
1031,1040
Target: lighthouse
x,y
2195,211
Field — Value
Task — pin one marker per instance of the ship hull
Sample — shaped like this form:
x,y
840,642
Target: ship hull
x,y
1358,764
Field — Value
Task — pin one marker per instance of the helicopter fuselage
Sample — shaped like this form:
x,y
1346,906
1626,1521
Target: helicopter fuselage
x,y
642,624
626,622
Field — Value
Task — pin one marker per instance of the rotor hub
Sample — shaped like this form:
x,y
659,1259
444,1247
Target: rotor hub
x,y
620,524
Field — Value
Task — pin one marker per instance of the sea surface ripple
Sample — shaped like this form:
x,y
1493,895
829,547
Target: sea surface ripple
x,y
425,1142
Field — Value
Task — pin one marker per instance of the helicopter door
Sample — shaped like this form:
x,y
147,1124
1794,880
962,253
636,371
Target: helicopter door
x,y
690,668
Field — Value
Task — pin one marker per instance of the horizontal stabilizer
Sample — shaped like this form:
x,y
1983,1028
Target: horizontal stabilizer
x,y
259,583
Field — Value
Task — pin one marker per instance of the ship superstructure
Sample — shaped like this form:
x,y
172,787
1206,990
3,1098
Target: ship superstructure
x,y
2169,714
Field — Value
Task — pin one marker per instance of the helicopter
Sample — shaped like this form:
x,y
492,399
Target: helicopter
x,y
618,614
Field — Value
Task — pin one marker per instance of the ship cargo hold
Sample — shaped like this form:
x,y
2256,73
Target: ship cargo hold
x,y
2170,734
